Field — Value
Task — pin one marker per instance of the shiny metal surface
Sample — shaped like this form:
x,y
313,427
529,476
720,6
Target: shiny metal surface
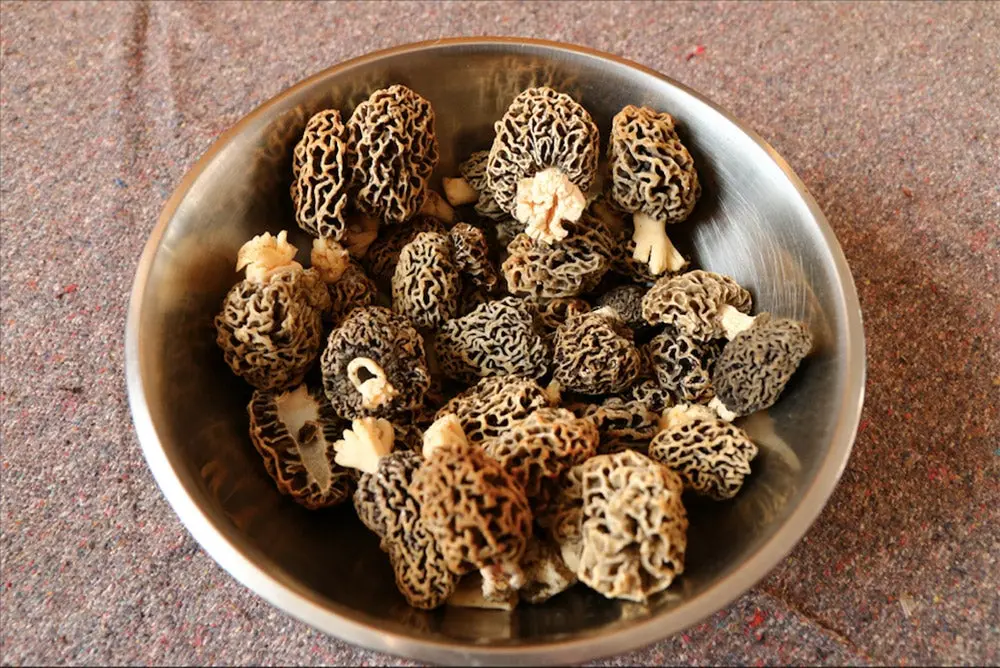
x,y
755,221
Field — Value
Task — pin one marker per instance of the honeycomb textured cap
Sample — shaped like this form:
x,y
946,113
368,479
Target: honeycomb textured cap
x,y
634,526
426,283
595,354
321,176
473,170
494,404
691,303
683,365
383,253
651,170
541,129
395,151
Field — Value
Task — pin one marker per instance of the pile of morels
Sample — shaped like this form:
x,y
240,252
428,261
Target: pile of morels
x,y
513,403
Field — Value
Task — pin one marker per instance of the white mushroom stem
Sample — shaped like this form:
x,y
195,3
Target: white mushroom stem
x,y
544,201
734,321
553,392
375,389
458,191
330,259
571,552
266,255
653,246
434,205
364,444
720,408
500,579
445,431
361,232
676,416
469,594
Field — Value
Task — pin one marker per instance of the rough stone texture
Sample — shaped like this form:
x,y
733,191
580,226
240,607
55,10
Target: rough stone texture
x,y
886,111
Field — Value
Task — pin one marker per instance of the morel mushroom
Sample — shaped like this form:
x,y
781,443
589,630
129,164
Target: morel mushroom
x,y
622,424
683,365
626,300
477,513
374,365
543,161
491,406
634,526
271,325
471,255
426,283
711,455
294,432
473,187
755,366
649,393
383,254
384,504
497,338
322,177
544,571
395,150
537,450
348,285
701,304
595,354
553,313
570,268
652,176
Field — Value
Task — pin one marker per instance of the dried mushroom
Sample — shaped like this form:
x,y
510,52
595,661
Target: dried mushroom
x,y
322,177
471,255
294,432
384,504
626,300
570,268
543,161
374,365
426,283
494,404
497,338
623,424
652,176
473,508
683,365
594,354
711,455
701,304
652,395
553,313
353,290
634,526
755,366
473,187
545,572
537,450
271,325
471,297
395,151
383,254
563,517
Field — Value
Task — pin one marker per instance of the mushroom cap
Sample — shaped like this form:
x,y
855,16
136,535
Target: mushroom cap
x,y
651,170
634,526
473,170
650,393
471,297
471,255
540,448
595,354
383,254
494,404
426,282
294,432
322,176
378,334
622,424
477,513
711,456
753,368
683,365
395,151
497,338
575,265
270,333
690,302
626,300
353,290
385,505
552,313
541,129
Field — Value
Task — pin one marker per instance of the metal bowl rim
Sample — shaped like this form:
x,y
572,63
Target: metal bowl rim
x,y
639,634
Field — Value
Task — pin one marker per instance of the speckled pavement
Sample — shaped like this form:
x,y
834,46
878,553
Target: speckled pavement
x,y
887,112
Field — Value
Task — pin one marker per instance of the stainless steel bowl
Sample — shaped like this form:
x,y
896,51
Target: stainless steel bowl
x,y
755,222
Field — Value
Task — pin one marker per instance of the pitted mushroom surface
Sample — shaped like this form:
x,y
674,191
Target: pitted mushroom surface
x,y
595,354
701,304
321,177
491,406
683,365
426,282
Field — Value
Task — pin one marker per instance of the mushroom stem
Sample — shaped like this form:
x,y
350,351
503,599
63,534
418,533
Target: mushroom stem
x,y
501,579
375,390
434,205
544,201
653,246
681,414
571,551
266,255
445,431
364,444
458,191
734,321
330,259
720,408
